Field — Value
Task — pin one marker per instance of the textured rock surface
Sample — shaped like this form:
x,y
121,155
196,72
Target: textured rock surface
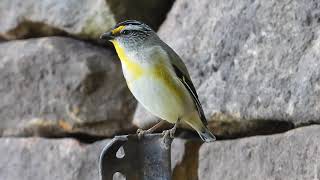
x,y
84,18
67,159
292,155
81,18
51,86
143,119
255,65
251,59
38,159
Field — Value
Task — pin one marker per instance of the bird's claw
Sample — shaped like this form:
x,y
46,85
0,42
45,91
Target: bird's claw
x,y
172,131
141,133
165,135
168,133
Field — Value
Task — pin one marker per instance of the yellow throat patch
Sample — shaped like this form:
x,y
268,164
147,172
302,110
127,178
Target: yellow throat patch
x,y
135,69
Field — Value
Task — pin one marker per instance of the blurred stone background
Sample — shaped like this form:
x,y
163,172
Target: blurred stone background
x,y
255,64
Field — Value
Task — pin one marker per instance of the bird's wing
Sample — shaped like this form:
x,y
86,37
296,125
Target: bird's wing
x,y
189,86
182,73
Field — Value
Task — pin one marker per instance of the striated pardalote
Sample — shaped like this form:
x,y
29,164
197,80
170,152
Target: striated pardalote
x,y
157,77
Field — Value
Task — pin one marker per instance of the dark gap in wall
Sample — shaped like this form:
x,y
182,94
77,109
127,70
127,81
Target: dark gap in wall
x,y
141,10
29,29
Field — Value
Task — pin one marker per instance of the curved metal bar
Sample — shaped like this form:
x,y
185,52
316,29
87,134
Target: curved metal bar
x,y
147,158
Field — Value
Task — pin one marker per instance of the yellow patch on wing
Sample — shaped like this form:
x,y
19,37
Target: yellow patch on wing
x,y
117,30
161,72
134,68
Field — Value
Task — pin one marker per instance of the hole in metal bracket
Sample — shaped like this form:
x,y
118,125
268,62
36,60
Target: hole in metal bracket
x,y
120,153
118,176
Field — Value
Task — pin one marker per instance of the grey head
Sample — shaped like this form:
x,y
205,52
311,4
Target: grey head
x,y
129,33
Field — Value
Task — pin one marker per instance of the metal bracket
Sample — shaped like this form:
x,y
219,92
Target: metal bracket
x,y
147,158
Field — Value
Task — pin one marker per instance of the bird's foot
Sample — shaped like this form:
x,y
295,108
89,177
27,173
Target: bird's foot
x,y
141,133
165,135
168,133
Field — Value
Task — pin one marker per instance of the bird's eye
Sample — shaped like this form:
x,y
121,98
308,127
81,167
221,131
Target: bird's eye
x,y
125,32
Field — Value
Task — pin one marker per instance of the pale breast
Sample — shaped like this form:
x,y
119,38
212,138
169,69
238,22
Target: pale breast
x,y
159,99
154,84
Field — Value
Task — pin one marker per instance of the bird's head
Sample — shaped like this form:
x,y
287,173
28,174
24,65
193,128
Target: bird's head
x,y
130,32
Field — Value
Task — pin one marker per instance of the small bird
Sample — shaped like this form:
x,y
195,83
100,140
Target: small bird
x,y
157,77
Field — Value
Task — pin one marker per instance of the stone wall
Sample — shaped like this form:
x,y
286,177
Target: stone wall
x,y
255,65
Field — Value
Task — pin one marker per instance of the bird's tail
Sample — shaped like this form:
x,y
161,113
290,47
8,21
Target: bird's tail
x,y
206,135
194,121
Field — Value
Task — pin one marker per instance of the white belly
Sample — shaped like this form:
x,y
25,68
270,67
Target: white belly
x,y
159,99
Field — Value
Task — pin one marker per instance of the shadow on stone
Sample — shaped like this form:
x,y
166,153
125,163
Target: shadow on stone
x,y
228,127
187,168
141,10
29,29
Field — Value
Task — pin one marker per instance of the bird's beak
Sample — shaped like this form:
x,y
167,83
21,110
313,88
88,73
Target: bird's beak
x,y
107,36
